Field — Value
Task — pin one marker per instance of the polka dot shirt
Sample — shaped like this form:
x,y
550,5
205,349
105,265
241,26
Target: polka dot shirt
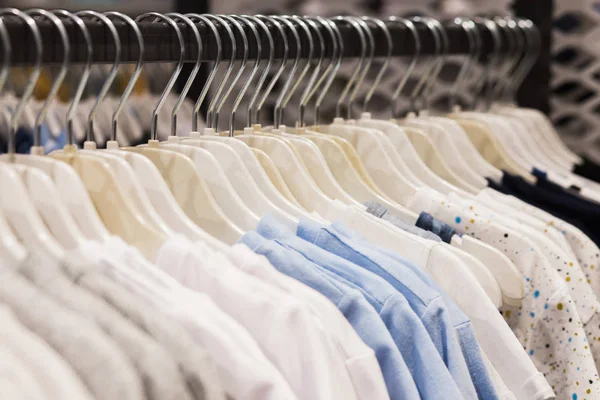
x,y
548,323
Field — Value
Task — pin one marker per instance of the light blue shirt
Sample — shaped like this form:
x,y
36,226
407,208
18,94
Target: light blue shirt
x,y
410,275
425,302
427,367
363,318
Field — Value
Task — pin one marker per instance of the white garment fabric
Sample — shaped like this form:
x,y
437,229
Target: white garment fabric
x,y
56,378
359,359
283,328
243,369
547,324
16,370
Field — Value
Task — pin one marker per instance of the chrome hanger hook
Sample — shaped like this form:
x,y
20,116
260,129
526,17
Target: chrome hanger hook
x,y
206,18
413,63
334,53
311,52
474,49
240,96
86,72
281,97
113,72
284,58
426,92
174,75
514,59
311,82
386,63
6,54
136,73
217,102
367,65
369,61
506,63
359,66
263,77
438,49
338,63
27,93
493,60
41,117
532,52
192,77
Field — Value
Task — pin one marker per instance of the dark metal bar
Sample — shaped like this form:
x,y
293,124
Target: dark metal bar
x,y
161,42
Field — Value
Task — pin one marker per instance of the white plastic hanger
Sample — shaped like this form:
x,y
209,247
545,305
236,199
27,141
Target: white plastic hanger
x,y
123,171
468,151
543,150
234,172
180,173
23,217
66,182
360,187
367,145
376,135
296,177
300,183
539,148
253,167
428,152
498,136
275,176
446,133
41,188
272,201
146,173
115,208
397,137
504,271
15,201
206,164
307,151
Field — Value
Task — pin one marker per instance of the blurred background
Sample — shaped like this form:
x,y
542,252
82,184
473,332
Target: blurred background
x,y
567,77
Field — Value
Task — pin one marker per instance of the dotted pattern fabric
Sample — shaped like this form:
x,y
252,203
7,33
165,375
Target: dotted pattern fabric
x,y
548,323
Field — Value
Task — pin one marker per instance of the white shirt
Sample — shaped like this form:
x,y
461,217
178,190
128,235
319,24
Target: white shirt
x,y
283,328
243,369
13,368
54,375
547,324
359,359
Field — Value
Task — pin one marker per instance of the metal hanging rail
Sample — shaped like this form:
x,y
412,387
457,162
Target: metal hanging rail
x,y
161,43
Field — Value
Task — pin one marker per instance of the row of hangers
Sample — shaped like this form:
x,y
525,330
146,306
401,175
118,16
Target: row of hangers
x,y
214,186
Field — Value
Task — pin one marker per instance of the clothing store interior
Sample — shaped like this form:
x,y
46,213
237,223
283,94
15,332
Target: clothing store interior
x,y
299,200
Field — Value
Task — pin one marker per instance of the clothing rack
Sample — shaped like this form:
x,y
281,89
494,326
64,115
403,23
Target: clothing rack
x,y
161,44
